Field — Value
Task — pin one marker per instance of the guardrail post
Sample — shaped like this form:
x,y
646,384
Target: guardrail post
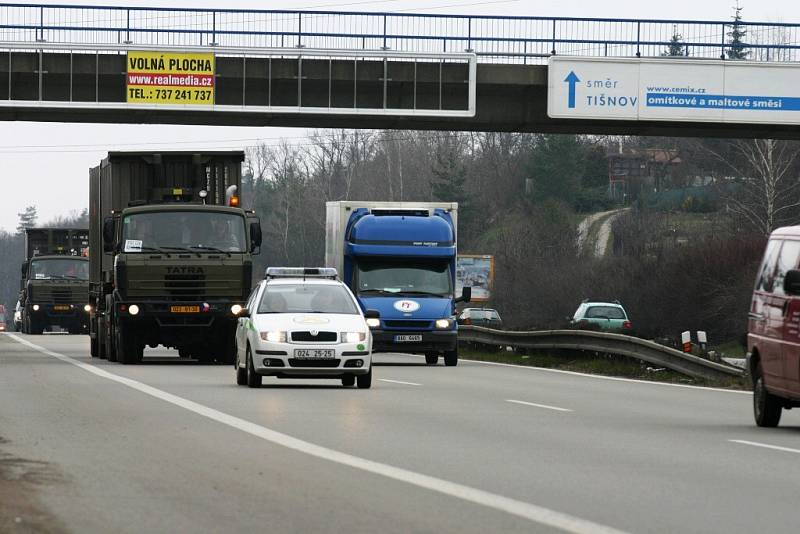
x,y
299,30
128,27
553,49
384,47
722,54
638,39
469,35
40,37
213,29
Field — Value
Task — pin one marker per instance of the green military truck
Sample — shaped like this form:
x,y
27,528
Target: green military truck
x,y
54,290
170,254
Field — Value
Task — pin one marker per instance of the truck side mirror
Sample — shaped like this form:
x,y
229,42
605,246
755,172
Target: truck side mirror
x,y
791,282
255,236
108,234
466,294
24,269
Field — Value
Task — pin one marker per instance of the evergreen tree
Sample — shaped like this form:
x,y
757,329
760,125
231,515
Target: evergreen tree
x,y
737,49
675,46
556,166
450,177
27,219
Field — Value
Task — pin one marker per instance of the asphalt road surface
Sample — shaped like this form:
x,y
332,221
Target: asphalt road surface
x,y
175,446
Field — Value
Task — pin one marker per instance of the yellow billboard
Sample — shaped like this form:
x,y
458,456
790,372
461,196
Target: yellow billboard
x,y
170,78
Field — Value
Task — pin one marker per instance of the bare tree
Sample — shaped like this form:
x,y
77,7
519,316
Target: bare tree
x,y
768,191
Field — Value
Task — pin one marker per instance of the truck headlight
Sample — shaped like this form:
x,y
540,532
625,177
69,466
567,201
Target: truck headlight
x,y
273,337
35,307
87,308
444,324
353,337
133,309
373,323
236,309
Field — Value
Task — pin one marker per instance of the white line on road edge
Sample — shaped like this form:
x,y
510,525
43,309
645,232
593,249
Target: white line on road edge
x,y
537,514
603,377
399,382
545,406
764,445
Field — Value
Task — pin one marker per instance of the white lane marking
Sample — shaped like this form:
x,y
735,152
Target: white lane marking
x,y
399,382
532,512
601,377
545,406
764,445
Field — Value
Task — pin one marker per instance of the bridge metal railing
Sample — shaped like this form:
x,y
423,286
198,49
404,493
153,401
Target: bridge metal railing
x,y
495,39
588,340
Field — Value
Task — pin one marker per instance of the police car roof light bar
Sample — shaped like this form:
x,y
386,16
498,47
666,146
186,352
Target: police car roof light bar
x,y
301,272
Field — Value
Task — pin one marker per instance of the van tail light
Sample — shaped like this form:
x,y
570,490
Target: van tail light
x,y
467,321
627,325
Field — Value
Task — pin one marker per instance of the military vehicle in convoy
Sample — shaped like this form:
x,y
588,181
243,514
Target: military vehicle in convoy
x,y
170,254
54,290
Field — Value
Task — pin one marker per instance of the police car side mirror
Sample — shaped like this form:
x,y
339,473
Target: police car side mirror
x,y
108,234
245,313
255,236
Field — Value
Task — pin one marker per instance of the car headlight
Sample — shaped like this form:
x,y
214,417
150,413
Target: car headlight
x,y
236,309
35,307
443,324
353,337
87,308
133,309
273,337
373,323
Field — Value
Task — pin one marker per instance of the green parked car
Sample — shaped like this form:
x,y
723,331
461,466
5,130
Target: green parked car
x,y
603,316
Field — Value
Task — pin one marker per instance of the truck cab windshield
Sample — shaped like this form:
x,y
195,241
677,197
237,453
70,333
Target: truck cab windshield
x,y
60,268
191,231
417,277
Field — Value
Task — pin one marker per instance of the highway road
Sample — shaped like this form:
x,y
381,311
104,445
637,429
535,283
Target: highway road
x,y
175,446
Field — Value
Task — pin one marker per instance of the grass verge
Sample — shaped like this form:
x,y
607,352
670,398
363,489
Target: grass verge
x,y
597,364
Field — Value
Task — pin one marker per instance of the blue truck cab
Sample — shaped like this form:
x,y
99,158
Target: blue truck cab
x,y
399,259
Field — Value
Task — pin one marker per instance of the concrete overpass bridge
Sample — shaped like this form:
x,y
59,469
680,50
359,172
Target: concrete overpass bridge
x,y
352,70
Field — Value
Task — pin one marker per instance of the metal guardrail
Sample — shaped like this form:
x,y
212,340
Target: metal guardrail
x,y
495,39
633,347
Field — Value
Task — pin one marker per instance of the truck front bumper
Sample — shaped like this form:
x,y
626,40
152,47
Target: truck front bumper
x,y
431,341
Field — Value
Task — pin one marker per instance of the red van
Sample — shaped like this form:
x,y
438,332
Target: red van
x,y
773,338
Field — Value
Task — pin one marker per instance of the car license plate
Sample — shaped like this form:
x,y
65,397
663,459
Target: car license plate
x,y
184,309
61,307
410,338
314,354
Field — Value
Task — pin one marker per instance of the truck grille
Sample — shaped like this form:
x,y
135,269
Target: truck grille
x,y
185,285
306,337
407,324
60,295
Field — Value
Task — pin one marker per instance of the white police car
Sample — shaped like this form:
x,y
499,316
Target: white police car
x,y
303,323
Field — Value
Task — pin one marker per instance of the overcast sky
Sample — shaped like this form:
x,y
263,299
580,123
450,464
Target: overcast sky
x,y
46,164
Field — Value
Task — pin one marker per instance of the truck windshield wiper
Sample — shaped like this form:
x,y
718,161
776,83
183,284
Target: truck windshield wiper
x,y
423,293
154,249
379,291
213,249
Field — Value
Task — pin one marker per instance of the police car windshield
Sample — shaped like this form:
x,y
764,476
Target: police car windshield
x,y
66,268
420,277
183,230
307,298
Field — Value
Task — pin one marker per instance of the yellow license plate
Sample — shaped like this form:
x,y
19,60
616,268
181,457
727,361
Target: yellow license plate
x,y
61,307
184,309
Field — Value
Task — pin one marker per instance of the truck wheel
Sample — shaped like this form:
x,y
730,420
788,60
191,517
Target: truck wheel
x,y
451,358
93,347
227,352
431,358
365,381
128,351
253,378
766,406
35,327
348,380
